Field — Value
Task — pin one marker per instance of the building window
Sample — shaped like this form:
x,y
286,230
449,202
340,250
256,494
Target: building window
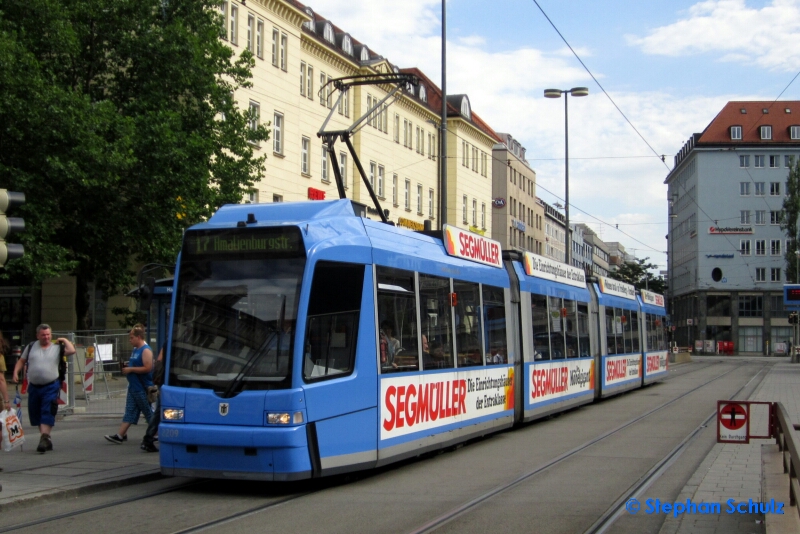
x,y
408,195
251,197
277,134
744,217
255,115
758,162
322,79
277,198
419,199
324,163
761,217
761,274
774,162
394,190
303,78
750,306
329,93
276,36
744,247
794,132
761,247
736,132
775,217
223,7
430,203
774,189
760,189
305,146
787,161
744,161
251,22
766,132
234,33
343,167
775,247
381,173
284,50
474,212
310,83
775,274
744,188
483,215
396,128
373,168
260,39
464,208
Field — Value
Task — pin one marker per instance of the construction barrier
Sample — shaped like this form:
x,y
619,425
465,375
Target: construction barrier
x,y
88,372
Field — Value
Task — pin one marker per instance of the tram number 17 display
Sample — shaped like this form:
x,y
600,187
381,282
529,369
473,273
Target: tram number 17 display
x,y
270,241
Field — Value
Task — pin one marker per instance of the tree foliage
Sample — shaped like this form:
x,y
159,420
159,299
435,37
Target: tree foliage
x,y
791,211
119,124
638,273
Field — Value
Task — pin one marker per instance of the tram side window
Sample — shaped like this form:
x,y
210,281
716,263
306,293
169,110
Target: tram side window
x,y
571,329
468,324
494,323
611,332
541,332
397,320
635,331
333,313
583,330
557,348
627,332
660,333
437,323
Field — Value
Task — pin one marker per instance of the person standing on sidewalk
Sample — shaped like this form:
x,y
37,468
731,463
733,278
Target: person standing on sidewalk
x,y
5,400
43,381
139,373
149,439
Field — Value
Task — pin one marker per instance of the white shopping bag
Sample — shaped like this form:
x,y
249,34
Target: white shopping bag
x,y
11,428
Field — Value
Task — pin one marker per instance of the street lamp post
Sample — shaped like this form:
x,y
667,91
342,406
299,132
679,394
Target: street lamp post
x,y
556,93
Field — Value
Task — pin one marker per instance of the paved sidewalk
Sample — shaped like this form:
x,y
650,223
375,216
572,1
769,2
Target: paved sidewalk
x,y
81,462
732,471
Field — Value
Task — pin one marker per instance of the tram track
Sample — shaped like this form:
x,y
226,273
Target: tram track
x,y
612,513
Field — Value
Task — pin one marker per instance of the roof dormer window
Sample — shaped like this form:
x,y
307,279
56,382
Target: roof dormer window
x,y
736,133
310,24
347,45
423,94
766,132
465,111
364,53
328,33
409,88
794,132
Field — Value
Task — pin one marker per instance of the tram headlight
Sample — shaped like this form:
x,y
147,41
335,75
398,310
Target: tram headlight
x,y
285,418
172,414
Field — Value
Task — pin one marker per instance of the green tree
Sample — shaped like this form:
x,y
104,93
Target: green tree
x,y
638,273
791,211
119,124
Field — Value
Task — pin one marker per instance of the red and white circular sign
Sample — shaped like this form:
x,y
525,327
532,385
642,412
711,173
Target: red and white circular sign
x,y
733,416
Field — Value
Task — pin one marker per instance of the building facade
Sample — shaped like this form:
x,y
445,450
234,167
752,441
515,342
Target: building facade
x,y
581,250
600,252
554,232
726,265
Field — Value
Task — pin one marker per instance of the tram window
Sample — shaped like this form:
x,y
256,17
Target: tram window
x,y
494,324
397,320
437,324
468,324
583,330
661,335
557,348
611,332
635,331
541,332
333,312
571,329
626,331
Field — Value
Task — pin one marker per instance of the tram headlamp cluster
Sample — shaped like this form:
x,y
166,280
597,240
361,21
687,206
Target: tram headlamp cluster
x,y
172,414
285,418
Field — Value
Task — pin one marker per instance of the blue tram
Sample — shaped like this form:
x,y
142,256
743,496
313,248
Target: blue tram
x,y
308,341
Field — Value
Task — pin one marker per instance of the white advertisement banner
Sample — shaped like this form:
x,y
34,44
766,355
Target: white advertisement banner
x,y
421,402
609,286
549,381
656,362
472,247
621,368
548,269
654,299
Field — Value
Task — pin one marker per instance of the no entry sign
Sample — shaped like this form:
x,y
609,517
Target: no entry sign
x,y
732,422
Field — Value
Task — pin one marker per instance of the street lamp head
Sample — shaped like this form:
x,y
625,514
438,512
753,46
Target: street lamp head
x,y
552,93
579,91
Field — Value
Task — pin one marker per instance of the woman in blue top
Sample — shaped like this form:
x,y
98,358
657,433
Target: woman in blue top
x,y
139,373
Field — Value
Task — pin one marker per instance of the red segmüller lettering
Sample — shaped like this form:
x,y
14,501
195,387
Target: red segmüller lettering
x,y
616,369
410,405
653,363
549,381
479,249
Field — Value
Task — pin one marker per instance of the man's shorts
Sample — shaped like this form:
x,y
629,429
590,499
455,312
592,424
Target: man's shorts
x,y
43,403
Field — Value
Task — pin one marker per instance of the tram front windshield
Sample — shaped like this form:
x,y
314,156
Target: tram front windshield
x,y
236,308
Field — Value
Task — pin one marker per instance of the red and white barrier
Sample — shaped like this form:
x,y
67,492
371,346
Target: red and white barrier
x,y
88,371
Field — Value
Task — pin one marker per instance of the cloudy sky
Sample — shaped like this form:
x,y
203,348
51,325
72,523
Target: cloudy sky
x,y
670,67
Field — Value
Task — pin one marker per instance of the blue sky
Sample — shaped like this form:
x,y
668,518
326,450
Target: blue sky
x,y
670,66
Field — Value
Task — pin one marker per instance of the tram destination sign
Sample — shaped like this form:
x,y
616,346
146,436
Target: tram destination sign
x,y
609,286
791,296
548,269
257,242
472,247
654,299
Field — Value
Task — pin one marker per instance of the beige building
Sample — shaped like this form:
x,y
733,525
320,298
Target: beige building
x,y
554,236
600,252
517,219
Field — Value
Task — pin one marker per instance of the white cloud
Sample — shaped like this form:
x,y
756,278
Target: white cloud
x,y
737,33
